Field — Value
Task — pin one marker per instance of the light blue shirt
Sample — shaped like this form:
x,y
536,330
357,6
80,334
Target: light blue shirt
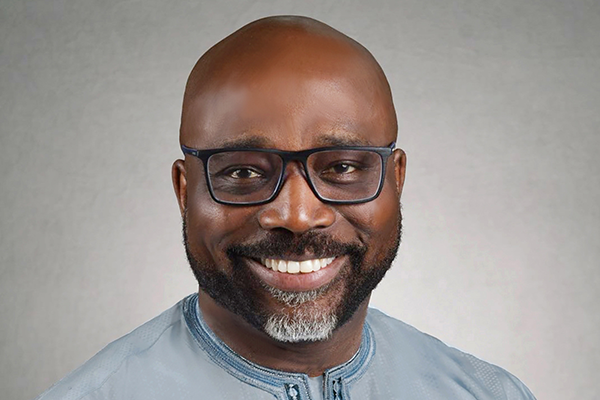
x,y
177,356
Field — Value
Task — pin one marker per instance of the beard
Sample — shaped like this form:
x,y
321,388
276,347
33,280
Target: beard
x,y
306,316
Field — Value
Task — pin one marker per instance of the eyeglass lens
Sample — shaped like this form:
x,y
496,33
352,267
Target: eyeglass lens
x,y
252,176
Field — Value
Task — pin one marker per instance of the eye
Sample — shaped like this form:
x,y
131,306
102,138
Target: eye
x,y
341,168
243,173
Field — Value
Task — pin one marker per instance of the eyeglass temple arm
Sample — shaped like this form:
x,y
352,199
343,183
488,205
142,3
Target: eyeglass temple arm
x,y
187,150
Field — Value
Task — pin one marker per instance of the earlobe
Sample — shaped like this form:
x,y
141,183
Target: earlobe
x,y
399,169
180,184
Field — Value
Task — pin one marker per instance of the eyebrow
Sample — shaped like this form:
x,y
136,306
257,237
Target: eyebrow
x,y
246,142
322,140
341,140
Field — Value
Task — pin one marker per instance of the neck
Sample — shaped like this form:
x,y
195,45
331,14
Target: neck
x,y
311,358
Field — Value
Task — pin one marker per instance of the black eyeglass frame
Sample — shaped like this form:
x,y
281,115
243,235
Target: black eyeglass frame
x,y
287,156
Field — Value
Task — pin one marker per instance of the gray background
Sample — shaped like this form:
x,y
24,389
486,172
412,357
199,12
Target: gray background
x,y
498,104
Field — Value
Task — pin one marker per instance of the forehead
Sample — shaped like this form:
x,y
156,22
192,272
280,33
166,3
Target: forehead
x,y
291,98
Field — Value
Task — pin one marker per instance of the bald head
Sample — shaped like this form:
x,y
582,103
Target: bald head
x,y
279,55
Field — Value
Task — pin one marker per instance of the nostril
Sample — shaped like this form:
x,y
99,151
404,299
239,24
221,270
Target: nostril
x,y
270,218
325,217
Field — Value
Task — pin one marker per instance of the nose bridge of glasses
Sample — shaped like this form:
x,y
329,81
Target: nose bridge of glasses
x,y
299,160
292,167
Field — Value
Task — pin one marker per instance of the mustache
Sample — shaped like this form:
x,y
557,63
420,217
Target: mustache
x,y
278,244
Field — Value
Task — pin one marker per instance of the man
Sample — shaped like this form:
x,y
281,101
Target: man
x,y
290,197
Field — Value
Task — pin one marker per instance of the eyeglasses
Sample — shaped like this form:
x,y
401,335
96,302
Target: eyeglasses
x,y
253,176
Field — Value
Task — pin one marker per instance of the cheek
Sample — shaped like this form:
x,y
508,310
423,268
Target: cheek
x,y
212,226
377,221
379,218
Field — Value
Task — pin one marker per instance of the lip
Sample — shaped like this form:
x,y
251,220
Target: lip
x,y
300,282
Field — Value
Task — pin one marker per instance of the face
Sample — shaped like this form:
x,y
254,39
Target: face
x,y
247,257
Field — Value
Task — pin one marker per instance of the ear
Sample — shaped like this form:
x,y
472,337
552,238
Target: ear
x,y
180,184
399,169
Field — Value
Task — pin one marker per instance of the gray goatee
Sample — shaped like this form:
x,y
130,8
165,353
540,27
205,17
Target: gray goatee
x,y
305,322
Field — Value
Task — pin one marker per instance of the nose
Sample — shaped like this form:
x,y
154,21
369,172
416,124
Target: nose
x,y
296,208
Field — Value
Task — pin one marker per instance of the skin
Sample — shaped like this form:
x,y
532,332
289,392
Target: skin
x,y
288,83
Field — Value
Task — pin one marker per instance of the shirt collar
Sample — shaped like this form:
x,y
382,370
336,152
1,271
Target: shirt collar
x,y
267,378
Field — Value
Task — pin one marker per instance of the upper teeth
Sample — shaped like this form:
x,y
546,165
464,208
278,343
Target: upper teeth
x,y
293,267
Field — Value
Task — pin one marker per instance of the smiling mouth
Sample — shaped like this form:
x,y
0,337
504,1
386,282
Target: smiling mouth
x,y
296,267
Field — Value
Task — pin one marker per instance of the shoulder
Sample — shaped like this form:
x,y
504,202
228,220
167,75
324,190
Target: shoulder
x,y
112,359
428,360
